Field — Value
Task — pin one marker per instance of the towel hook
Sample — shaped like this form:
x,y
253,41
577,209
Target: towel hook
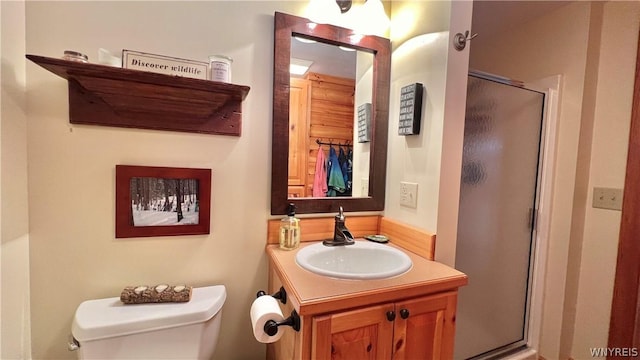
x,y
460,40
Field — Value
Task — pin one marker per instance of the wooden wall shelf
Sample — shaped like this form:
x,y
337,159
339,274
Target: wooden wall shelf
x,y
109,96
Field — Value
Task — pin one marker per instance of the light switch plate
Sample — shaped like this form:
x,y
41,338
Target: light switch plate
x,y
409,194
607,198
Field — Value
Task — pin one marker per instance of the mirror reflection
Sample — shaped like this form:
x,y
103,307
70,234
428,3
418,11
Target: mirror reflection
x,y
348,110
331,90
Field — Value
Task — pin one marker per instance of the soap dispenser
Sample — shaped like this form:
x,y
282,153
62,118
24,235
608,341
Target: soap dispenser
x,y
290,230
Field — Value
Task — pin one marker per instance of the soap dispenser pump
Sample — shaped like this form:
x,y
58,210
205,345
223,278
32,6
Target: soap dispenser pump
x,y
290,230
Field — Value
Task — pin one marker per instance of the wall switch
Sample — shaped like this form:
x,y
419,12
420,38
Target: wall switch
x,y
409,194
607,198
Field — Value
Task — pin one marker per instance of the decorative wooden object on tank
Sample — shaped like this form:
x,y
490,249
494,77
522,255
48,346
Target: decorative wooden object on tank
x,y
109,96
155,294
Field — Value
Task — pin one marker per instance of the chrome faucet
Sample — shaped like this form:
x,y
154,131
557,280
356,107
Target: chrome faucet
x,y
341,235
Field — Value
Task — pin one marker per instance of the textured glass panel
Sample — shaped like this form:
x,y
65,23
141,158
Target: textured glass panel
x,y
498,189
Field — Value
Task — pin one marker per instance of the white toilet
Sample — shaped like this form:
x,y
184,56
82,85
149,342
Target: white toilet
x,y
108,329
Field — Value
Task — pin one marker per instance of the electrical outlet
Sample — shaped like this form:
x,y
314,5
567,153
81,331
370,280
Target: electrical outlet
x,y
607,198
409,194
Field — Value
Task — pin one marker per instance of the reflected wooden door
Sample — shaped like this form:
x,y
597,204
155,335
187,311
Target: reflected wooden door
x,y
298,136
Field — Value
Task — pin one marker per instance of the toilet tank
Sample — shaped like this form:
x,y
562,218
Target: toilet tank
x,y
109,329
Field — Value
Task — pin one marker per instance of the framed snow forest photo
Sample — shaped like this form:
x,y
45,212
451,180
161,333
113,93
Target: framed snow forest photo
x,y
162,201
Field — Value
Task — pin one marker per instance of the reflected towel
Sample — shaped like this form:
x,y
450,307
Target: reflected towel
x,y
336,179
320,179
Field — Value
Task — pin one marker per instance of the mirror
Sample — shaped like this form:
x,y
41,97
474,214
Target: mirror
x,y
324,99
321,109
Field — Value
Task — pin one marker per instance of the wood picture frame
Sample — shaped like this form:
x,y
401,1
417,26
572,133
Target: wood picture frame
x,y
162,201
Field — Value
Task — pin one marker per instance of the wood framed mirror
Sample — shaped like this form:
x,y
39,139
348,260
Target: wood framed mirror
x,y
295,146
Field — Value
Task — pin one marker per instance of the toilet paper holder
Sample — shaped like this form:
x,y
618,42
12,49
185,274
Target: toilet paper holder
x,y
271,326
280,295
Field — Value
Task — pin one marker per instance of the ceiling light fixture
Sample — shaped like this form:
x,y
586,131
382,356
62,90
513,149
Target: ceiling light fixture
x,y
344,5
304,40
367,19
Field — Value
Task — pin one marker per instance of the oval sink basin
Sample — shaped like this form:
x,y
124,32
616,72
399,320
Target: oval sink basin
x,y
363,260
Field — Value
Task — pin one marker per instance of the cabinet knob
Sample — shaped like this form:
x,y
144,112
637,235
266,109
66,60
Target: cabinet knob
x,y
404,313
391,315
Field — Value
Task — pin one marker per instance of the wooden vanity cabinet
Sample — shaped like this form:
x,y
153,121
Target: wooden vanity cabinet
x,y
415,328
421,328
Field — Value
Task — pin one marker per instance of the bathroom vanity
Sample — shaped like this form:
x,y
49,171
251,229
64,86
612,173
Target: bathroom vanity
x,y
408,316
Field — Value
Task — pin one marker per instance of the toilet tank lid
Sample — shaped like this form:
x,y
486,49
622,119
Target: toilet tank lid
x,y
104,318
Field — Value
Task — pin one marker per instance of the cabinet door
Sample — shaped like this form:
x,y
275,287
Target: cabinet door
x,y
424,328
353,335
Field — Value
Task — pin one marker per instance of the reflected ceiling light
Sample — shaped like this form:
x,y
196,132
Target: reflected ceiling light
x,y
299,66
304,40
344,48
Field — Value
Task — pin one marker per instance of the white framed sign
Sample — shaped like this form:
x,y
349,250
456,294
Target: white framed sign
x,y
167,65
364,123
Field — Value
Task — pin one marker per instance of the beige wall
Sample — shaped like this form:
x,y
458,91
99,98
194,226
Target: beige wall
x,y
609,142
14,218
74,255
422,54
580,41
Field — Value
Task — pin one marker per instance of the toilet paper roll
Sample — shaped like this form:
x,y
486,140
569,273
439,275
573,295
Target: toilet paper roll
x,y
263,309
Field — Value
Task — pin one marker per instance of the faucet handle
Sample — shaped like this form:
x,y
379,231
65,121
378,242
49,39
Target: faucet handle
x,y
340,215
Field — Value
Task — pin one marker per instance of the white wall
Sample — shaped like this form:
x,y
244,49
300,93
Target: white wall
x,y
422,54
74,255
14,218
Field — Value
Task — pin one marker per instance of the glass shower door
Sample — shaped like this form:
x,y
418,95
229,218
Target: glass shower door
x,y
495,226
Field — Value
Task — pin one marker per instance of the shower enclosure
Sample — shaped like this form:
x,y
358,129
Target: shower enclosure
x,y
496,223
